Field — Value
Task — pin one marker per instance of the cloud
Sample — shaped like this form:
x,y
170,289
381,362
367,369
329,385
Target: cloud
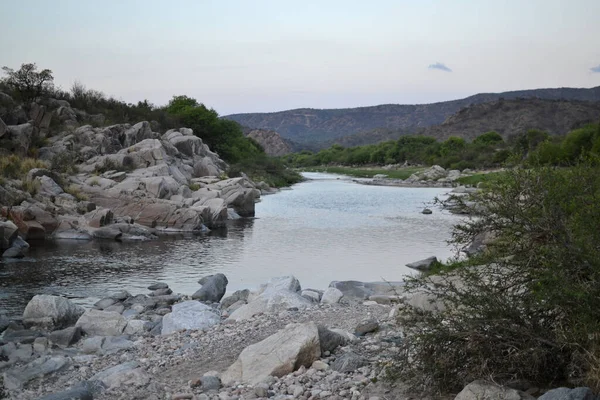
x,y
441,66
596,68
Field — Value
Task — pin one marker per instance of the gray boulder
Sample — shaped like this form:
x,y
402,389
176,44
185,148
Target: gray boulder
x,y
190,315
563,393
278,355
65,337
101,323
51,312
330,340
213,288
482,390
348,362
332,296
126,374
17,377
367,326
423,265
238,295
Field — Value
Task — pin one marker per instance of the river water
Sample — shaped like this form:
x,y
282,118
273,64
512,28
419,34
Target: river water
x,y
327,228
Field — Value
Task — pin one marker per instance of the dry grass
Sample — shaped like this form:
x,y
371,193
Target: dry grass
x,y
15,167
75,192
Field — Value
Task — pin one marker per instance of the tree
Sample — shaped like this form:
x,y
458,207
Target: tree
x,y
488,138
526,307
27,83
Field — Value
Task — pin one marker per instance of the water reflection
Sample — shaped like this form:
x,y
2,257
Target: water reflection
x,y
325,229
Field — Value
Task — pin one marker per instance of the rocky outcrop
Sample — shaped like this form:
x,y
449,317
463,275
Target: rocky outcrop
x,y
273,144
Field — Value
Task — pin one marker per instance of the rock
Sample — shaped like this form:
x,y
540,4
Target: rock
x,y
330,340
92,344
101,323
121,295
348,362
271,301
82,391
363,290
40,344
482,390
4,323
332,296
312,295
16,378
65,337
191,315
51,312
114,344
426,211
158,285
423,265
48,187
104,303
213,288
238,295
320,365
433,173
278,355
136,327
161,292
3,128
210,383
21,136
365,327
117,307
18,249
20,335
107,232
127,373
563,393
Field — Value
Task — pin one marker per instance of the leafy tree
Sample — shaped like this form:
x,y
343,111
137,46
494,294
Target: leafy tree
x,y
525,308
27,83
488,138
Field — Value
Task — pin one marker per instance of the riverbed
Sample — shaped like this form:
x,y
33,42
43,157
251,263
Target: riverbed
x,y
326,228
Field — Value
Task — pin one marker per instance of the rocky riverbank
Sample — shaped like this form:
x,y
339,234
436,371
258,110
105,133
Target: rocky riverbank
x,y
434,176
118,182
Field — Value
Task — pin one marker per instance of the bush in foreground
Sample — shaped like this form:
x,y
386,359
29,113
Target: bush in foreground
x,y
525,309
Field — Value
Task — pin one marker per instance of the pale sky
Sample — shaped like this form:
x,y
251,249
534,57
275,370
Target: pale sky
x,y
263,55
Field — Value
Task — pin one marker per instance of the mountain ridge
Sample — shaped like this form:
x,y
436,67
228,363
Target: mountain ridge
x,y
311,125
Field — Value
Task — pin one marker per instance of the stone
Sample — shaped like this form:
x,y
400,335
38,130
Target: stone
x,y
482,390
161,292
121,295
158,285
101,323
114,344
320,365
190,315
278,355
348,362
563,393
365,327
48,187
127,373
18,249
51,312
17,377
136,327
65,337
424,265
20,335
332,296
238,295
271,301
40,344
213,288
104,303
210,383
330,340
427,211
118,308
311,295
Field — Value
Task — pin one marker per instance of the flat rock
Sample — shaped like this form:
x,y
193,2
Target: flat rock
x,y
278,355
348,362
16,378
101,323
191,315
482,390
423,265
65,337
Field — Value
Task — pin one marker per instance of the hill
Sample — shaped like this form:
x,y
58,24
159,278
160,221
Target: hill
x,y
308,125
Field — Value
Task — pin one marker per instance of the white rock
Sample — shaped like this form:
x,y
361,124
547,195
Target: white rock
x,y
191,315
102,323
332,296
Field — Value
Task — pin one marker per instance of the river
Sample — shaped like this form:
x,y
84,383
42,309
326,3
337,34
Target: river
x,y
327,228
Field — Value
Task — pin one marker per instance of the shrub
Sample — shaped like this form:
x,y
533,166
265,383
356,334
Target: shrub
x,y
31,187
65,162
194,186
27,83
75,192
527,307
15,167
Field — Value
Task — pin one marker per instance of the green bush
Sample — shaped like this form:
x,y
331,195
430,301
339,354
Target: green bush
x,y
525,309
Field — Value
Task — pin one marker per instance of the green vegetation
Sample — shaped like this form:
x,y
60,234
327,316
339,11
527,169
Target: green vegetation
x,y
15,167
27,84
524,309
487,151
487,178
75,192
267,169
402,173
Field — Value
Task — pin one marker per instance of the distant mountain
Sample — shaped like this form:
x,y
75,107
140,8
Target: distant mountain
x,y
314,126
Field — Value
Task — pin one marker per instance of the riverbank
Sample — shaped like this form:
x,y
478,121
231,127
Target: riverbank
x,y
130,351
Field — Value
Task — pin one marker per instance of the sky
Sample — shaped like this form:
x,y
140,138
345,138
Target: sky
x,y
269,55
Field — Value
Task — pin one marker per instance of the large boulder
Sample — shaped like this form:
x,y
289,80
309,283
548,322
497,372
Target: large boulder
x,y
51,312
213,288
48,187
16,378
21,136
17,249
190,315
101,323
482,390
278,355
563,393
270,302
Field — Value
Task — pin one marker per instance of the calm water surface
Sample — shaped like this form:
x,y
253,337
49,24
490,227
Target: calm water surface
x,y
328,228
